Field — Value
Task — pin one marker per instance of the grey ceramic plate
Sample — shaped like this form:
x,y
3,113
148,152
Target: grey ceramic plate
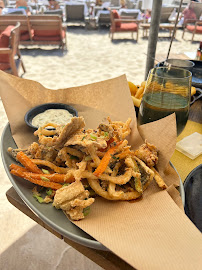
x,y
51,216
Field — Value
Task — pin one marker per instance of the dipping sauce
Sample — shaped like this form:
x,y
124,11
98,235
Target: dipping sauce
x,y
56,116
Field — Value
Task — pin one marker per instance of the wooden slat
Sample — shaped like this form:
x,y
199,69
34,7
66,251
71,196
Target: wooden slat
x,y
35,22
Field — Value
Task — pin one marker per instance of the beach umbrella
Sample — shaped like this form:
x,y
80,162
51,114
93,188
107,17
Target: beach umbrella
x,y
153,34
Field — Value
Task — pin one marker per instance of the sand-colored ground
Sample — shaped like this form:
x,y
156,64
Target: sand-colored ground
x,y
91,57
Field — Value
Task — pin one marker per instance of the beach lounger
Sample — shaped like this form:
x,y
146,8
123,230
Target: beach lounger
x,y
54,12
10,57
193,26
48,30
76,12
122,24
26,33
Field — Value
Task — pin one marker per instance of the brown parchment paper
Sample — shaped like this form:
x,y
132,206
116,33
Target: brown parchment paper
x,y
151,233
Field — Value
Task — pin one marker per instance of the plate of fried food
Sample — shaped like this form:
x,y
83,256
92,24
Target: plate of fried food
x,y
60,176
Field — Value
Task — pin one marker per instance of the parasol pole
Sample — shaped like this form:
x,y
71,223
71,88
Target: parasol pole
x,y
153,35
174,30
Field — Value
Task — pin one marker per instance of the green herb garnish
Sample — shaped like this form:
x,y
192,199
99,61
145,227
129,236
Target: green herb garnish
x,y
106,133
86,211
93,136
44,178
74,157
66,184
49,191
84,137
39,198
37,195
45,171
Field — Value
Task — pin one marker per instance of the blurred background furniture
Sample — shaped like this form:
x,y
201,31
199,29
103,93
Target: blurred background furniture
x,y
26,33
10,57
135,13
48,30
52,12
122,24
193,26
103,18
76,12
162,26
38,29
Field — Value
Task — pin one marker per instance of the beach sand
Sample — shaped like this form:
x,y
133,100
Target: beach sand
x,y
91,57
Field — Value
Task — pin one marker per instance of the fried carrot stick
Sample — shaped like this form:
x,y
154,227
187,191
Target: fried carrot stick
x,y
55,177
17,167
27,163
105,160
42,183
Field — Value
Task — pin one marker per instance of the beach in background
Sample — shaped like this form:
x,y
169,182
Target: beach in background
x,y
91,57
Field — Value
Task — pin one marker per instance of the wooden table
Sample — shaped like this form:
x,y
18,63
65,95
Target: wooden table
x,y
106,259
162,26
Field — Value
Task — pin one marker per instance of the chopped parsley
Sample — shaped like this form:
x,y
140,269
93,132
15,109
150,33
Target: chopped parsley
x,y
49,191
45,171
44,178
93,136
86,211
84,137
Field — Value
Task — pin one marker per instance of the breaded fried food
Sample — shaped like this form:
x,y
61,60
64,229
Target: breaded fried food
x,y
73,199
98,162
148,153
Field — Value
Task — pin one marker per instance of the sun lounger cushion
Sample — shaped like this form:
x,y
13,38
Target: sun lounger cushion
x,y
46,33
191,28
116,16
4,66
127,27
53,35
4,43
24,35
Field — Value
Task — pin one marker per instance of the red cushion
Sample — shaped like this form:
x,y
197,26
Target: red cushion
x,y
4,43
4,66
26,36
191,28
49,38
127,27
46,33
116,16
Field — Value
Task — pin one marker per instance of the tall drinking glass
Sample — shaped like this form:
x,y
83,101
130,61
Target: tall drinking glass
x,y
167,91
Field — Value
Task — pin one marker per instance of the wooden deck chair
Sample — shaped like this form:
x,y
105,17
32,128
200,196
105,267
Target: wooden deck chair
x,y
10,57
193,26
122,24
25,30
48,30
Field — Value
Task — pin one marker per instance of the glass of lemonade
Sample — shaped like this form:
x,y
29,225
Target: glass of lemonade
x,y
167,91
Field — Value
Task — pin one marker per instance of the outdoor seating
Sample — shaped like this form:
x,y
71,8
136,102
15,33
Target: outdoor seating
x,y
75,12
103,18
26,33
165,13
54,12
193,26
37,29
135,13
48,30
10,57
122,24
